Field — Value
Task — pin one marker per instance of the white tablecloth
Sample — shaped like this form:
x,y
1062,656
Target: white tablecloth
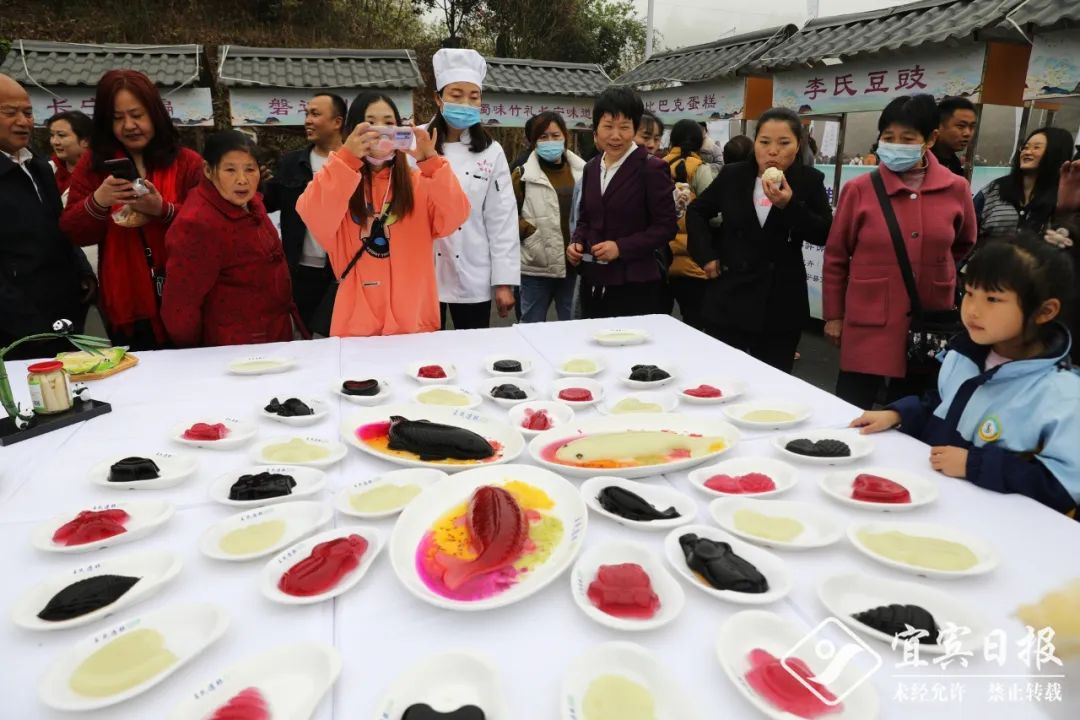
x,y
381,629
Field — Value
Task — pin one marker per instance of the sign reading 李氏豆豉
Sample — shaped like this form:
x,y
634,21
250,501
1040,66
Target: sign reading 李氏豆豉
x,y
186,106
288,106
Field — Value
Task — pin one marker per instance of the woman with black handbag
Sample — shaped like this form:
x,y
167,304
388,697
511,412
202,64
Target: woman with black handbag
x,y
889,289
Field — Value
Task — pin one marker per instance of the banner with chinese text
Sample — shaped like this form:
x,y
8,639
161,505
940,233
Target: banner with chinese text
x,y
504,110
697,101
186,106
1054,67
287,106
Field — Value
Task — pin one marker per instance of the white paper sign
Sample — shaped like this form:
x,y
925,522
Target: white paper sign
x,y
287,106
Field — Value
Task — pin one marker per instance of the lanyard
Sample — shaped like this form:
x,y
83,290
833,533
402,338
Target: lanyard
x,y
376,223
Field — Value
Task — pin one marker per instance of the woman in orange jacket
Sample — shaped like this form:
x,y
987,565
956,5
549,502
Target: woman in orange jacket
x,y
377,218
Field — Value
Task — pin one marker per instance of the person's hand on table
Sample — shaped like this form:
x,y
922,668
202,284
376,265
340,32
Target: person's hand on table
x,y
504,299
606,251
875,421
949,460
712,269
574,252
833,330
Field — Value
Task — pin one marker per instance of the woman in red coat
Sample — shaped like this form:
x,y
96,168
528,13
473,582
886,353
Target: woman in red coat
x,y
866,305
227,282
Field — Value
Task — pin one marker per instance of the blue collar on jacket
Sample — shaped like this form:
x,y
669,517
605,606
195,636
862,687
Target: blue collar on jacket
x,y
1056,354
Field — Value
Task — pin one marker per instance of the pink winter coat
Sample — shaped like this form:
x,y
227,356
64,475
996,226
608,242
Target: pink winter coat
x,y
862,283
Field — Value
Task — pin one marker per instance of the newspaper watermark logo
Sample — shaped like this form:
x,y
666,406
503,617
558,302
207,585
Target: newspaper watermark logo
x,y
839,658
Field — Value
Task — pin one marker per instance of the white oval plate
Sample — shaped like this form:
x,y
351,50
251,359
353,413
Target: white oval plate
x,y
838,485
659,496
320,408
490,360
337,451
422,477
187,631
513,444
820,528
782,474
433,503
630,661
984,551
672,597
278,565
618,337
753,629
665,365
446,682
173,469
145,516
585,383
640,421
600,366
769,565
737,412
666,401
240,431
860,445
471,399
309,481
729,389
848,594
451,372
154,568
559,412
484,390
261,365
301,518
292,679
366,400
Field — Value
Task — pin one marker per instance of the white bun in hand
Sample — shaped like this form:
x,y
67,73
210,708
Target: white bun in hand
x,y
773,176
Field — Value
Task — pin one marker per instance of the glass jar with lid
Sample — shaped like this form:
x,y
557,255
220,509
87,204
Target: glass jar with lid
x,y
49,388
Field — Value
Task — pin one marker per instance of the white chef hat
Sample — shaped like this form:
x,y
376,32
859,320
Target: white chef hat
x,y
458,65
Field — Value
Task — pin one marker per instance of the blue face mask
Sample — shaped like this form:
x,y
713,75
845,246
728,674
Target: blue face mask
x,y
460,117
550,150
899,157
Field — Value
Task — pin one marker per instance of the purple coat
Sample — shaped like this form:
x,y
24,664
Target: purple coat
x,y
637,212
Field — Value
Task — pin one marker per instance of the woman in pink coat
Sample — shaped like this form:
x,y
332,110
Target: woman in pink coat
x,y
866,305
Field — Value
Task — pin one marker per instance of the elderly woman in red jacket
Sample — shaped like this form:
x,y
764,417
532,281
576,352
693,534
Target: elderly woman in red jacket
x,y
227,282
866,305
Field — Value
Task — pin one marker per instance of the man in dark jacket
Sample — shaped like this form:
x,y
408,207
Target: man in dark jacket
x,y
958,119
43,277
308,266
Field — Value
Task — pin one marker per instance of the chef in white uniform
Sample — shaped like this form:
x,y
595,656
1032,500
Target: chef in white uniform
x,y
482,260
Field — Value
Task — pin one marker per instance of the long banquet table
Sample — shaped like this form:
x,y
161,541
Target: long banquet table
x,y
381,629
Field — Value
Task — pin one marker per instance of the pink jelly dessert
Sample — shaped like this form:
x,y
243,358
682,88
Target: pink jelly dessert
x,y
741,484
498,530
703,391
248,704
624,591
90,526
576,395
537,420
326,566
876,489
431,372
205,431
772,681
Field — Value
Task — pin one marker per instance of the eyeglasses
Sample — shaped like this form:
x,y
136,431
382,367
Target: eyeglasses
x,y
10,111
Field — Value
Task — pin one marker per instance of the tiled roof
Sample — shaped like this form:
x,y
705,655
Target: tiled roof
x,y
539,77
317,68
76,64
1046,13
705,62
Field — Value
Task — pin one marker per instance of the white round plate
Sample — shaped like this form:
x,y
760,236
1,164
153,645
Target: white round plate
x,y
665,365
585,383
187,631
620,337
584,572
417,519
301,518
634,663
666,401
261,365
469,399
614,424
484,390
240,431
498,430
769,565
598,363
490,360
559,412
145,516
366,400
154,568
860,445
729,389
173,469
782,475
820,528
280,564
445,683
337,451
320,408
292,680
750,630
309,481
421,477
659,496
984,552
737,412
451,372
849,594
922,489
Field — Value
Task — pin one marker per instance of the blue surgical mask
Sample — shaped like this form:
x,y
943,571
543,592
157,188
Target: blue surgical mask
x,y
899,157
550,150
460,117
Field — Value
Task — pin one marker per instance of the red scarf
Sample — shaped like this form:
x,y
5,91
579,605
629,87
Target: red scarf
x,y
63,175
